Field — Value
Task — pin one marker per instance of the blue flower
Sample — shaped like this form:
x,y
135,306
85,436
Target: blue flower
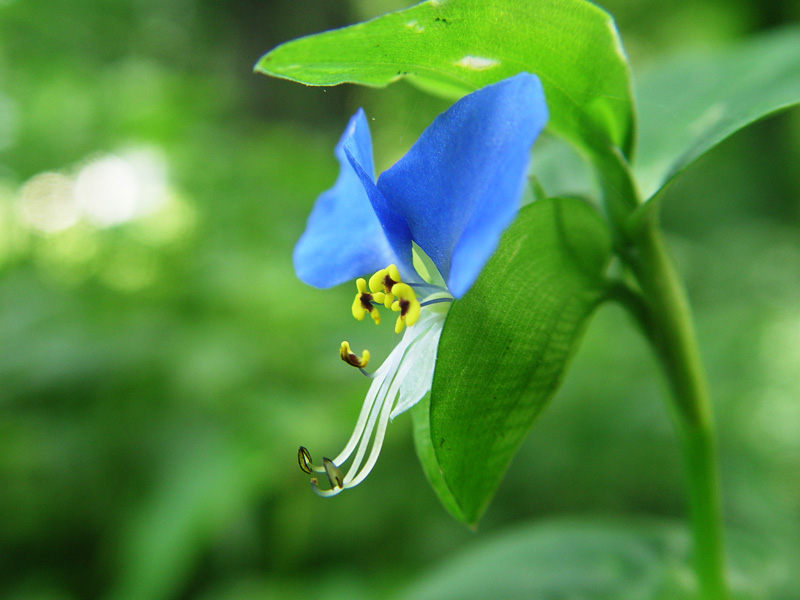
x,y
426,228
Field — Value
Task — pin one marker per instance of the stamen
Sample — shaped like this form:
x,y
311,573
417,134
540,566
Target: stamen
x,y
434,301
353,359
365,434
361,438
432,289
333,472
362,304
407,305
324,493
382,402
354,476
305,462
382,283
366,408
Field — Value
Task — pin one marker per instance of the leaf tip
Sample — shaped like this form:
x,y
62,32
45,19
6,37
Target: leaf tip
x,y
260,66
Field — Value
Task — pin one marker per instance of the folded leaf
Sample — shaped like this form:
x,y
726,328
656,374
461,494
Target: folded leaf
x,y
454,47
506,344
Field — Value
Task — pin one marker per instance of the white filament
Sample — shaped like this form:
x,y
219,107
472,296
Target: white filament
x,y
399,383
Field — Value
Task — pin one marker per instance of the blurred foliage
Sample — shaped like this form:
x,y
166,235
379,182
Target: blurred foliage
x,y
159,365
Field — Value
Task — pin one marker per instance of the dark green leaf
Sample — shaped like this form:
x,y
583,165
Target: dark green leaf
x,y
690,104
454,47
506,343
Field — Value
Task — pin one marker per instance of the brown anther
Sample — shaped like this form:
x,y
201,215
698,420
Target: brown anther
x,y
351,358
404,306
366,301
388,282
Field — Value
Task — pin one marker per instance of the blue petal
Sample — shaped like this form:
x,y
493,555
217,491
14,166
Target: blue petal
x,y
394,226
459,186
343,239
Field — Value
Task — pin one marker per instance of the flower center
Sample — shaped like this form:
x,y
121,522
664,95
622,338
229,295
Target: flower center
x,y
387,288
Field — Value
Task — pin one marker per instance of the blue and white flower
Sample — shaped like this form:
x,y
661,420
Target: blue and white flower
x,y
425,228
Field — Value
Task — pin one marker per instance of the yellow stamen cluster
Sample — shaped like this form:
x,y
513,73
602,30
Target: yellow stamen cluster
x,y
382,283
387,287
363,302
352,358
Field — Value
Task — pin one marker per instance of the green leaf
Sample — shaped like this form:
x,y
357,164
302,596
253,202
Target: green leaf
x,y
591,560
691,103
452,47
506,343
427,457
201,492
594,559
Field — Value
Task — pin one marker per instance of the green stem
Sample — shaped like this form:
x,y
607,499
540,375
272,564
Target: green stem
x,y
670,330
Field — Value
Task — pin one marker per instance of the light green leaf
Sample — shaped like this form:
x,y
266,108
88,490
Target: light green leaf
x,y
202,492
591,560
506,343
595,559
452,47
691,103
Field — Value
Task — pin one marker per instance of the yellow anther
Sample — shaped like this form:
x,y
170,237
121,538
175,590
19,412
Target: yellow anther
x,y
363,303
352,358
382,283
406,304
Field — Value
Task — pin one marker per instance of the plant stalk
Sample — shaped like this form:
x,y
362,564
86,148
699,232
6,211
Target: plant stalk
x,y
670,330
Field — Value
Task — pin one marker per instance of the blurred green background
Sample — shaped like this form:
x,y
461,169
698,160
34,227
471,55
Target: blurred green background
x,y
160,363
